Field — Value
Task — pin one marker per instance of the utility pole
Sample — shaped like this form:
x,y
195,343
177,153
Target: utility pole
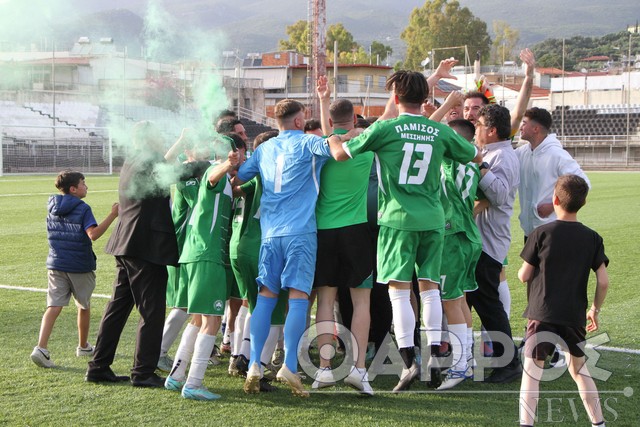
x,y
318,50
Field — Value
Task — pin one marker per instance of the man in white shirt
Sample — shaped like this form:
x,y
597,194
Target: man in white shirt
x,y
542,162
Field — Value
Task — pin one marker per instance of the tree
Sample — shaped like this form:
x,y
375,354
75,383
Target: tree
x,y
349,51
337,32
379,50
549,52
505,43
298,38
441,24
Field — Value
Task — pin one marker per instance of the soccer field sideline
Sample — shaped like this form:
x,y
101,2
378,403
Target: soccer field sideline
x,y
477,333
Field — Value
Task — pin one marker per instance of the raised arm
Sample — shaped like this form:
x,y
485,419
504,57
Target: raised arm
x,y
221,170
391,109
324,94
442,72
454,98
178,147
529,60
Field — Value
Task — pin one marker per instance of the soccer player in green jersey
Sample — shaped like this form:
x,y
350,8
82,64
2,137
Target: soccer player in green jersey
x,y
345,244
409,150
202,257
184,199
462,247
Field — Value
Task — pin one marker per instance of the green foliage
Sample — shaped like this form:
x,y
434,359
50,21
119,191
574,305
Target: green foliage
x,y
504,45
338,33
615,46
349,51
380,50
443,24
298,38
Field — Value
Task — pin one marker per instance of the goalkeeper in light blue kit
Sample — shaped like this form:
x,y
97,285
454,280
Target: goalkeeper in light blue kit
x,y
289,166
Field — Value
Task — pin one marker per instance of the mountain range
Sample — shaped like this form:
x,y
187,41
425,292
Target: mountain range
x,y
257,25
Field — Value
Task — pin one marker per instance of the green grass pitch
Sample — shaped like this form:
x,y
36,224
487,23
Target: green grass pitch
x,y
33,396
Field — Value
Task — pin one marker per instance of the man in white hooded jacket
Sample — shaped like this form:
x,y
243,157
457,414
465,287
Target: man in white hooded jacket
x,y
542,161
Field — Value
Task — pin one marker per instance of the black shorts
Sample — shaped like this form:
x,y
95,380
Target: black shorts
x,y
542,338
345,256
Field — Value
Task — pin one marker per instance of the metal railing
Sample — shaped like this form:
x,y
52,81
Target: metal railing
x,y
245,113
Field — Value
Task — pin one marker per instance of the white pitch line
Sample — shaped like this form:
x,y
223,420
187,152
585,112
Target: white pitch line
x,y
600,347
49,194
22,288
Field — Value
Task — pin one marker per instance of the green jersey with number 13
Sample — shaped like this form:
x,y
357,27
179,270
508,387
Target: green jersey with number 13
x,y
409,151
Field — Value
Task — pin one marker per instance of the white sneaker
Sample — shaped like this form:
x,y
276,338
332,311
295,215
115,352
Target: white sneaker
x,y
85,351
41,357
323,378
359,380
557,359
407,377
454,378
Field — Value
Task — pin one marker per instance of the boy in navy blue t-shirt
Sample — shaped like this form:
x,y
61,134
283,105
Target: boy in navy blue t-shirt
x,y
71,264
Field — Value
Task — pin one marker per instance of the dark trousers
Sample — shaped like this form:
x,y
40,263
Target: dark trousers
x,y
486,300
144,285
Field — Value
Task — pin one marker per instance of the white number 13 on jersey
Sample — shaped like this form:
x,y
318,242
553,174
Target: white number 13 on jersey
x,y
422,165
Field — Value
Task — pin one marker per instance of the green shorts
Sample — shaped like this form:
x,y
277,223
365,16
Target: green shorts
x,y
173,284
245,270
459,258
232,284
181,295
400,253
208,289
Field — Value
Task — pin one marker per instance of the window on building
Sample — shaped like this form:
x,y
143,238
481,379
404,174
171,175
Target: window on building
x,y
368,82
342,83
382,80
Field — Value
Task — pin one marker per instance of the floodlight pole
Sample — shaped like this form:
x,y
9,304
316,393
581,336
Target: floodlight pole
x,y
562,109
53,84
628,101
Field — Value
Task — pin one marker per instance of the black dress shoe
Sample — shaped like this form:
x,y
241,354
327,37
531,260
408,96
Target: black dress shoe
x,y
152,380
505,375
104,376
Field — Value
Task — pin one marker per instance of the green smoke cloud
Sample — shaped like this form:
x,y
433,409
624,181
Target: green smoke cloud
x,y
195,96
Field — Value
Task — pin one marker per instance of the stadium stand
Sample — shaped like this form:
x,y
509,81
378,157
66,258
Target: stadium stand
x,y
598,120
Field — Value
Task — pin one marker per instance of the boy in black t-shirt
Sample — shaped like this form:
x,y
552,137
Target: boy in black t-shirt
x,y
558,258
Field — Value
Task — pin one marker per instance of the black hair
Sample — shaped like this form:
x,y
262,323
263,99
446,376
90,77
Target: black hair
x,y
227,125
465,128
498,117
410,87
540,116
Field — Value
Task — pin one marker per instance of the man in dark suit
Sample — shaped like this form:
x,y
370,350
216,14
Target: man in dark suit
x,y
143,243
